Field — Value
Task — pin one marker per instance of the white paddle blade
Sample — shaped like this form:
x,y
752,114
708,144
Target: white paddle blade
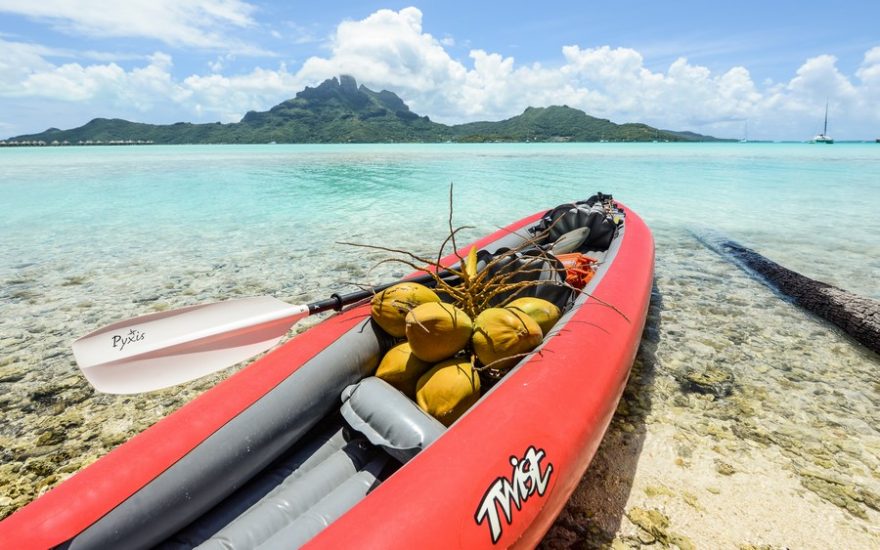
x,y
163,349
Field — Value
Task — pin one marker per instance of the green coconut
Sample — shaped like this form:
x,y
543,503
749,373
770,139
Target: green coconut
x,y
448,390
501,335
436,331
400,368
543,312
390,307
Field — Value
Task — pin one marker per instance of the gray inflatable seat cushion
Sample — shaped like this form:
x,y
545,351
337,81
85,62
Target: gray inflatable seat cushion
x,y
291,499
388,418
312,452
328,509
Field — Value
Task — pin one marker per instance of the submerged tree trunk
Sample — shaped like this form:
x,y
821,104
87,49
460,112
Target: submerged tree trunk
x,y
856,315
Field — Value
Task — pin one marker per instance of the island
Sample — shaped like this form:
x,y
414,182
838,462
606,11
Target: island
x,y
340,111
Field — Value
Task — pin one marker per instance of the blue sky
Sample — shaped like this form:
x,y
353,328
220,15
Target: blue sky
x,y
680,65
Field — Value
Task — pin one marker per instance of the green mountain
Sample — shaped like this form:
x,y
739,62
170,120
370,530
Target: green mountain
x,y
563,124
340,111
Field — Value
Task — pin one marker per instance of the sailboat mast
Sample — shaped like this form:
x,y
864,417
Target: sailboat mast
x,y
825,131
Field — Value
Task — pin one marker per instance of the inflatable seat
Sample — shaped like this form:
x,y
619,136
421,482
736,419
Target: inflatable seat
x,y
389,419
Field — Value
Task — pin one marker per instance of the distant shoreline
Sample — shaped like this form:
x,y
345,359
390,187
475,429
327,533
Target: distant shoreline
x,y
29,144
41,143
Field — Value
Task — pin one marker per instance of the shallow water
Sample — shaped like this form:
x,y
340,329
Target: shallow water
x,y
89,236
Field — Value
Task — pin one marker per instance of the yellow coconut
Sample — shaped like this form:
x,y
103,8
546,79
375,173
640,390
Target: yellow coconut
x,y
400,368
390,307
501,333
448,390
543,312
436,331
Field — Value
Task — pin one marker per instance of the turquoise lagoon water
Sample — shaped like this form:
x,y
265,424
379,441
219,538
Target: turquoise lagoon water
x,y
185,207
89,236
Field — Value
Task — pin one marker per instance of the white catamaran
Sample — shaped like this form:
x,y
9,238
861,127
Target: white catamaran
x,y
824,137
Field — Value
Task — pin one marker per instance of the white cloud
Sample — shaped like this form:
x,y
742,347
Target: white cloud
x,y
18,60
191,23
220,63
390,50
230,97
109,90
72,82
869,72
819,77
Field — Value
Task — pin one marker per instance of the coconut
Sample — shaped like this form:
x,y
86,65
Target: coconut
x,y
437,330
400,368
543,312
448,390
501,333
390,307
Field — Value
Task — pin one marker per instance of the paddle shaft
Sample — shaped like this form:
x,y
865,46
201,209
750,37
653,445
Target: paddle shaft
x,y
337,301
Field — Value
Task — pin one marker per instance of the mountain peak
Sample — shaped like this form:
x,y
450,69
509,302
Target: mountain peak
x,y
347,82
344,86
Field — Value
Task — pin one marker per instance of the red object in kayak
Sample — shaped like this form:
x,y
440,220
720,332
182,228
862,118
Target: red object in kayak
x,y
498,476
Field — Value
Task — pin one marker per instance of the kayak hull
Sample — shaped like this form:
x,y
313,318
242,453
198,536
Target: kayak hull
x,y
497,477
557,404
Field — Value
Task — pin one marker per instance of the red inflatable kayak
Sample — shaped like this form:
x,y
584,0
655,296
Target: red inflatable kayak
x,y
306,447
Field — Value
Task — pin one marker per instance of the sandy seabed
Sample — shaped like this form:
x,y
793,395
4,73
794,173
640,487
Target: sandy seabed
x,y
746,423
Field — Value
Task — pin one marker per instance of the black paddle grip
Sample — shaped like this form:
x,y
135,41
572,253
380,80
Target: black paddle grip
x,y
336,301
